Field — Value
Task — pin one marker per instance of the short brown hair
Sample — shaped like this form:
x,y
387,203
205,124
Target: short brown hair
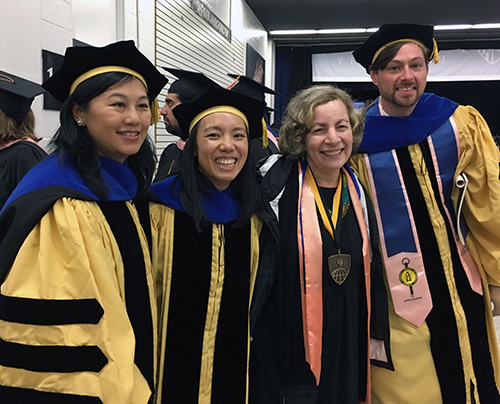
x,y
299,117
388,54
10,129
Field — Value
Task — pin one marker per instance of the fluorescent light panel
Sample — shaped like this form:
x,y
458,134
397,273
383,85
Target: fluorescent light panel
x,y
486,26
455,27
452,27
294,32
341,31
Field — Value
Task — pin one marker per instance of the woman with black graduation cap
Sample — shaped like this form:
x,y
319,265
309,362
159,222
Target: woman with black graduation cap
x,y
205,245
19,150
77,288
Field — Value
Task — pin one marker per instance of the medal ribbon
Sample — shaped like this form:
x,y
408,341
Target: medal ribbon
x,y
328,222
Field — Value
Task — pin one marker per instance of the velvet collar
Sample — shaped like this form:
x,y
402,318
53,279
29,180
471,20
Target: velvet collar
x,y
383,133
220,206
118,177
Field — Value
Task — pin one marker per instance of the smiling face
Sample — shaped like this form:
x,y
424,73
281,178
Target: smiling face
x,y
221,147
118,119
328,144
171,125
402,82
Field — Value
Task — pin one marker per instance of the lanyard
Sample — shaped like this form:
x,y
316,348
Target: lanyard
x,y
330,223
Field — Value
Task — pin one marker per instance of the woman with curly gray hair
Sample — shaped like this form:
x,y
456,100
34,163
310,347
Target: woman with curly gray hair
x,y
300,114
311,341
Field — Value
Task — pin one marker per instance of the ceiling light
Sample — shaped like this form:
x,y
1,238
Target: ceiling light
x,y
452,27
294,32
342,31
485,26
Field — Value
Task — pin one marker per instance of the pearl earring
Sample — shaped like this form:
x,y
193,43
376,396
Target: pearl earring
x,y
80,122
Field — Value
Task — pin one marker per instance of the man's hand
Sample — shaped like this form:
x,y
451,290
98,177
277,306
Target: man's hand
x,y
495,299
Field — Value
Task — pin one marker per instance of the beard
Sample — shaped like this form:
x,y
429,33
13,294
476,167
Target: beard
x,y
402,101
173,129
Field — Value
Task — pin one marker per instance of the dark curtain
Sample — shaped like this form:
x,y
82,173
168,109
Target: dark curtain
x,y
300,69
282,86
293,73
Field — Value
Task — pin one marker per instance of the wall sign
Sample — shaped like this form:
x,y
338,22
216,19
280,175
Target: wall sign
x,y
207,13
51,62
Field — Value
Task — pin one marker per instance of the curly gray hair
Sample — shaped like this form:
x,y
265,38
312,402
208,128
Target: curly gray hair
x,y
299,117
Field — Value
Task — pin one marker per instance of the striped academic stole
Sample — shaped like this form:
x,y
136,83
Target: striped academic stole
x,y
310,248
398,235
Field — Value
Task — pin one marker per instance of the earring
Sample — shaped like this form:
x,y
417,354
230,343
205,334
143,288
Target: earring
x,y
80,122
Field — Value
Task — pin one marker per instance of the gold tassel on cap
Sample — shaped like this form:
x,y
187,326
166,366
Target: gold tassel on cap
x,y
265,140
435,54
155,112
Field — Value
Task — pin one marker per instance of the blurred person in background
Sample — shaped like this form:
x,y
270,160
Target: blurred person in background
x,y
19,149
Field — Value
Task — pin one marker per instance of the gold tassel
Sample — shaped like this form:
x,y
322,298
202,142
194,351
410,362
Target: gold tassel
x,y
265,140
155,112
435,54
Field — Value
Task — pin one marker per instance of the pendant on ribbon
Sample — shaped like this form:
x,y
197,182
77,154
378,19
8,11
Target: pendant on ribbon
x,y
339,266
408,276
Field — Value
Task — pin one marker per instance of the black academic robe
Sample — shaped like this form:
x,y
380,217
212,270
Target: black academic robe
x,y
204,285
15,161
280,371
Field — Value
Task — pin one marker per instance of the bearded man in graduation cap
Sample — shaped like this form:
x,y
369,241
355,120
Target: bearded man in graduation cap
x,y
432,170
188,86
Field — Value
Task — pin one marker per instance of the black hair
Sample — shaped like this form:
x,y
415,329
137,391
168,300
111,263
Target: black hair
x,y
194,183
183,99
75,141
388,54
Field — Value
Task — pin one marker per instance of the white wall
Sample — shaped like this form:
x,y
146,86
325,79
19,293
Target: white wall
x,y
28,26
184,40
168,32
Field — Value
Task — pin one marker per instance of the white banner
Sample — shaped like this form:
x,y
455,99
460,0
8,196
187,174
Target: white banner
x,y
454,65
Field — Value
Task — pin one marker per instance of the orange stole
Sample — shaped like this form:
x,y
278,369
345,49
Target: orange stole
x,y
311,267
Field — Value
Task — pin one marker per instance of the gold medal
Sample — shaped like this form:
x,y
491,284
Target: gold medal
x,y
339,266
408,276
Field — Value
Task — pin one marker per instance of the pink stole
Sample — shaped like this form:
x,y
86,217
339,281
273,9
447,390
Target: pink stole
x,y
272,138
26,139
311,269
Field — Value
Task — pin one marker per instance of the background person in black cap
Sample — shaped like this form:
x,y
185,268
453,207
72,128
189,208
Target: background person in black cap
x,y
75,269
432,170
205,246
19,150
188,86
249,87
